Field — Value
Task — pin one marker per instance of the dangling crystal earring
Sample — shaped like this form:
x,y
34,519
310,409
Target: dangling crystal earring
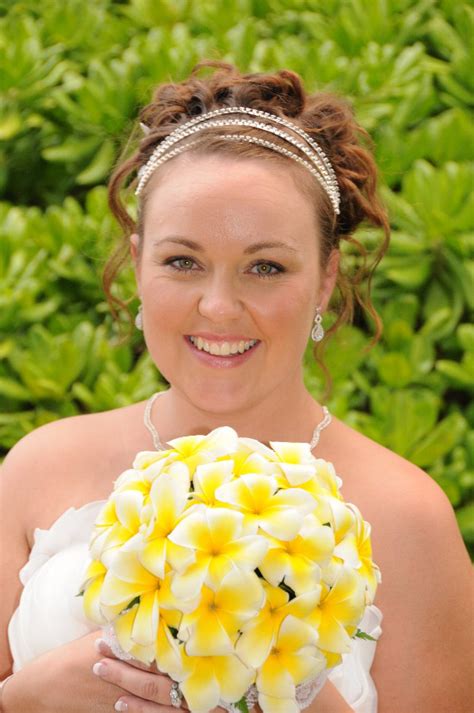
x,y
139,319
317,333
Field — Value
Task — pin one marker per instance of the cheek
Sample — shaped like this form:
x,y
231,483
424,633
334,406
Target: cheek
x,y
288,314
165,303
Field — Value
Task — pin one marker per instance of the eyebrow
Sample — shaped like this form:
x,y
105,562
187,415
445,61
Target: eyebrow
x,y
178,239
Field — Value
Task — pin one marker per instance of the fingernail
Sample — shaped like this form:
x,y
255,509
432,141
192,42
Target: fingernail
x,y
99,668
98,643
121,705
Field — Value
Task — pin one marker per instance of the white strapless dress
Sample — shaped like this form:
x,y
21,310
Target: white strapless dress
x,y
50,614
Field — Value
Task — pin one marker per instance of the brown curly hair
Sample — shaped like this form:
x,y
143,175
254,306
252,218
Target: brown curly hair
x,y
327,117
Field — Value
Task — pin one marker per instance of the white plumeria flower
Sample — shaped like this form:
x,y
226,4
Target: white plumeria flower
x,y
216,537
277,512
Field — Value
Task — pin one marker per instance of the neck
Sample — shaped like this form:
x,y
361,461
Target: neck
x,y
282,415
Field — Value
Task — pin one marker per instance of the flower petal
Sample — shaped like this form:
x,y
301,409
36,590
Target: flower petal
x,y
234,677
283,523
179,558
127,505
91,601
289,452
296,474
210,476
146,620
241,594
117,592
255,643
294,634
201,688
273,680
126,566
250,493
167,651
153,556
275,565
205,635
186,584
270,704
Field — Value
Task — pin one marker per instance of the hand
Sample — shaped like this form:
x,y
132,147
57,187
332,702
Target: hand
x,y
146,690
61,681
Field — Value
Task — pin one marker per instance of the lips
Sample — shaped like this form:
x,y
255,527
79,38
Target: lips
x,y
218,361
226,348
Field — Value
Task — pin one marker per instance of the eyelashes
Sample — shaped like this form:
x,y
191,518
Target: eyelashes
x,y
187,270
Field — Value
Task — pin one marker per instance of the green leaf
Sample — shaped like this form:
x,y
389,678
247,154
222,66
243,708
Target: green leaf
x,y
422,354
407,272
363,635
440,441
405,416
100,165
13,390
465,518
131,604
465,336
242,705
435,325
73,149
456,373
403,307
10,125
395,370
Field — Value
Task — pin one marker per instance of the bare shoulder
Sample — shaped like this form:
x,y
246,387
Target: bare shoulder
x,y
423,661
379,478
69,462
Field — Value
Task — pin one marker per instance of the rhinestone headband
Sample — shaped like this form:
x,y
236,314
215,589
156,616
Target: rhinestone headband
x,y
315,161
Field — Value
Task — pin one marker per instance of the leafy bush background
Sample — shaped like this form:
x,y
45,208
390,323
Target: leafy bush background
x,y
72,77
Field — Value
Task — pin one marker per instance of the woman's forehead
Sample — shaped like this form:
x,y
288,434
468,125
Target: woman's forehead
x,y
219,193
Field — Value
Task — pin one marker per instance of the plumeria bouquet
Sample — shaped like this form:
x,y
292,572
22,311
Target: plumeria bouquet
x,y
236,567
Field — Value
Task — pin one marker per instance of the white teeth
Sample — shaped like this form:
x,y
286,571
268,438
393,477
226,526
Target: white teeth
x,y
224,348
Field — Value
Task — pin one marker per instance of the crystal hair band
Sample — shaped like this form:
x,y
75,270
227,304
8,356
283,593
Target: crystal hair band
x,y
326,168
316,162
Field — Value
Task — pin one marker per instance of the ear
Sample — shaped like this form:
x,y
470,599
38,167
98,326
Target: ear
x,y
329,278
134,242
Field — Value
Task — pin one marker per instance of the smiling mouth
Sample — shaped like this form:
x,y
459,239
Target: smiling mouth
x,y
226,349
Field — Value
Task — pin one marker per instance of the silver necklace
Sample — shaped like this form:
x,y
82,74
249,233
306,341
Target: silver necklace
x,y
163,446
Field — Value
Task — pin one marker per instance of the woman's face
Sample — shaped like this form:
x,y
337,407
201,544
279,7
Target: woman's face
x,y
230,255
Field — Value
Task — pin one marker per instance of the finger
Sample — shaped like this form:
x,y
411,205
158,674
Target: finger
x,y
154,687
104,649
130,704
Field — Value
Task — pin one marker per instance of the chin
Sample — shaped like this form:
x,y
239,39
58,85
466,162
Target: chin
x,y
221,398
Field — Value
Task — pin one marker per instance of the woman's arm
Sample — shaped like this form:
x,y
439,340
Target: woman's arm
x,y
61,680
14,550
423,661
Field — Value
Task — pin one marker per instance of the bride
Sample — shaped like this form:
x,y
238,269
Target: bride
x,y
236,255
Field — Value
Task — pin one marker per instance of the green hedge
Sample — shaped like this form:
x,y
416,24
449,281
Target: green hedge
x,y
73,76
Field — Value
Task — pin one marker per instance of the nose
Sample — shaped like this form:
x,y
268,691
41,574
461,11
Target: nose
x,y
220,300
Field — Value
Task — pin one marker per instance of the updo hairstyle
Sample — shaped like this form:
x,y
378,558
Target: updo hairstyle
x,y
328,118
